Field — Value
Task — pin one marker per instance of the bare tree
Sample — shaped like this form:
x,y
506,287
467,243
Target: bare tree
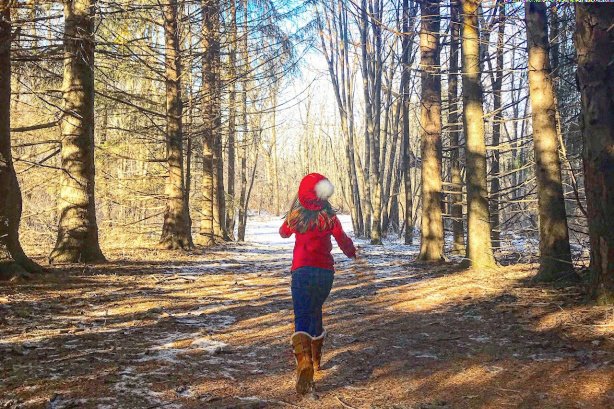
x,y
211,120
232,118
431,233
77,239
176,231
405,61
243,148
497,83
555,253
455,132
336,53
594,39
370,28
13,261
479,249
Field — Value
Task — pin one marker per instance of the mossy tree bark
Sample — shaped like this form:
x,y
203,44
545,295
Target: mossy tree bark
x,y
594,41
555,253
13,261
77,239
431,233
479,249
176,231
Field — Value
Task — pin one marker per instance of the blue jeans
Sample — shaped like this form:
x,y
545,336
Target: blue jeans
x,y
310,288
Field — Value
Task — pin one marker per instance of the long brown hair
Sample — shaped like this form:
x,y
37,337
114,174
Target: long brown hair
x,y
302,220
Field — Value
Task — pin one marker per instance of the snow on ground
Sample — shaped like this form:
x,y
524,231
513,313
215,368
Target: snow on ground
x,y
263,231
212,330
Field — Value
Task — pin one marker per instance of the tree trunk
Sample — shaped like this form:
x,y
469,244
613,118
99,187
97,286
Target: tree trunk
x,y
431,234
274,167
458,231
387,138
368,116
13,261
408,216
243,148
393,212
190,125
218,171
390,168
210,92
375,134
555,253
348,93
189,149
594,41
495,185
479,249
343,94
77,239
176,232
232,68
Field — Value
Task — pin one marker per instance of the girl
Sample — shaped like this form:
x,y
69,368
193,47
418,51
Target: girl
x,y
312,219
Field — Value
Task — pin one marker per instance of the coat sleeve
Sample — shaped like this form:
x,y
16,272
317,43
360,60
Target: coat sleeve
x,y
345,243
284,230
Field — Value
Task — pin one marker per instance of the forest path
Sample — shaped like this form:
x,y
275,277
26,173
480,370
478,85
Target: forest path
x,y
211,330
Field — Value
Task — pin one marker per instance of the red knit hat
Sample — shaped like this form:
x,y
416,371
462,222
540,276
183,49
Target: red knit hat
x,y
314,190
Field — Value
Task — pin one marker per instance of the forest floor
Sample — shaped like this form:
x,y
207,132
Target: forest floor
x,y
210,329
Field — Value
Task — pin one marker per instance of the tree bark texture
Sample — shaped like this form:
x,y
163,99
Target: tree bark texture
x,y
594,41
388,176
375,132
243,151
274,167
220,193
13,261
431,233
458,231
408,199
210,92
176,232
77,239
495,185
368,116
342,86
232,117
555,253
479,249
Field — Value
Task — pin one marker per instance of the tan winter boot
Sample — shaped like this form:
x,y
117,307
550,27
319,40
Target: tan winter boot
x,y
316,350
301,341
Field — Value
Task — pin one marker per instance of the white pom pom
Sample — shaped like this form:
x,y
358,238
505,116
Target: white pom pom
x,y
324,189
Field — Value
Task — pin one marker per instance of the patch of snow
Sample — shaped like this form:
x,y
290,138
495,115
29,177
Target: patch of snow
x,y
481,339
212,322
427,355
547,358
265,230
168,350
208,345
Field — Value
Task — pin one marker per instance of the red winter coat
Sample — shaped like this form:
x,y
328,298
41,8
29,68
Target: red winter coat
x,y
313,247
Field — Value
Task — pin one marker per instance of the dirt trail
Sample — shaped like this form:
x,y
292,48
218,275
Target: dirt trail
x,y
211,330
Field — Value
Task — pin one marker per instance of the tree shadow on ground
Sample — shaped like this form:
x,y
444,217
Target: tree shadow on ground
x,y
130,334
